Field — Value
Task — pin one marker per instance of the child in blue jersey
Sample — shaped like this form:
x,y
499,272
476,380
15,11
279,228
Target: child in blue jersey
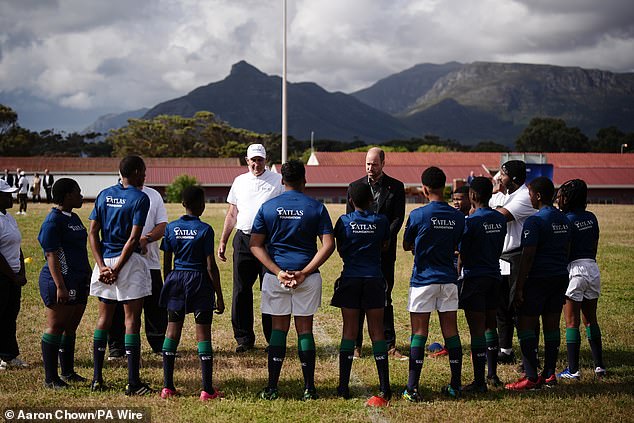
x,y
480,249
283,238
584,286
433,233
541,284
64,282
120,272
190,288
361,236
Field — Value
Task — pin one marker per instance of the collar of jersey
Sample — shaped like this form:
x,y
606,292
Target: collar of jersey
x,y
189,217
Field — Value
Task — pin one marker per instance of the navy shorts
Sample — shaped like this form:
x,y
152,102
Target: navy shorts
x,y
359,293
187,290
480,294
544,295
78,288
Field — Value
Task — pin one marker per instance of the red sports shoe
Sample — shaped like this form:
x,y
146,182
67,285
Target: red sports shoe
x,y
204,396
168,393
548,382
524,384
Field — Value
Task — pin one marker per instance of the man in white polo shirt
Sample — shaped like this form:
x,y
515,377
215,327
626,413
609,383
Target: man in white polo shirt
x,y
248,192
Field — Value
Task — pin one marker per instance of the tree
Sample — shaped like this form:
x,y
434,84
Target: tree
x,y
610,139
8,119
489,146
174,191
551,135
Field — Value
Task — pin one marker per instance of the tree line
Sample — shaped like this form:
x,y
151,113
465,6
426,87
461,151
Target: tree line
x,y
204,135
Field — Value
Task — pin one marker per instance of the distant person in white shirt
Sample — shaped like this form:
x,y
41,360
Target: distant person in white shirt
x,y
23,192
248,192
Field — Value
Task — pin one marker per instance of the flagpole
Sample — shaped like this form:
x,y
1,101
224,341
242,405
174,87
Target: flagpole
x,y
284,122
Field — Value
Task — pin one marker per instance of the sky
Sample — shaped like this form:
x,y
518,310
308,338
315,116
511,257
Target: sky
x,y
64,62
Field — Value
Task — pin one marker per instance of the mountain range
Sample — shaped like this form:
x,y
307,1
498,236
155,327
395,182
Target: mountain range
x,y
473,102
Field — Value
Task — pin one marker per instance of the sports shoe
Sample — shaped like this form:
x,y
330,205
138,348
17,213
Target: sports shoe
x,y
475,388
310,394
357,353
599,372
115,355
3,364
380,400
138,390
439,353
567,374
396,354
168,393
16,363
504,358
343,392
205,396
494,381
451,391
411,396
97,386
56,384
242,348
523,384
269,394
73,378
548,382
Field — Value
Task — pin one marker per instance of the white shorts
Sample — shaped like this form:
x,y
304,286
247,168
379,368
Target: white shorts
x,y
279,300
584,280
134,280
425,299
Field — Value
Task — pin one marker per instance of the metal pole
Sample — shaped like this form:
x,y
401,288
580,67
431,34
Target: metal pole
x,y
284,123
312,139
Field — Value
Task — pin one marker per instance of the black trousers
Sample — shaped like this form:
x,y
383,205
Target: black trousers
x,y
506,314
155,319
388,260
10,298
246,269
49,195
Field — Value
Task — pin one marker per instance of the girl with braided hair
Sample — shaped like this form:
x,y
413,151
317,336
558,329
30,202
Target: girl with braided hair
x,y
584,279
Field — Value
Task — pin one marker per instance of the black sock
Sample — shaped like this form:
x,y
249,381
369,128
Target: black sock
x,y
416,358
573,345
346,354
478,356
493,345
50,345
552,340
594,338
277,353
133,352
169,357
454,347
379,349
100,340
205,353
528,345
307,358
67,355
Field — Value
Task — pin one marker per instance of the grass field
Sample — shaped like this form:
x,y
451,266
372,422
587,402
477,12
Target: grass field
x,y
242,376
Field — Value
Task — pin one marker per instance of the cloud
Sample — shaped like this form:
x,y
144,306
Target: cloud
x,y
123,55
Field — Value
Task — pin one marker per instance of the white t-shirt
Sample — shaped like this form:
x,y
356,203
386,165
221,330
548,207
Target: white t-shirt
x,y
248,192
10,240
23,185
519,205
156,214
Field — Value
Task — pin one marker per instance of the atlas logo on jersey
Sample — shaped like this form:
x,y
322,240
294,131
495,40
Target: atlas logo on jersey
x,y
559,228
362,228
185,233
492,228
114,202
289,213
526,233
442,223
582,225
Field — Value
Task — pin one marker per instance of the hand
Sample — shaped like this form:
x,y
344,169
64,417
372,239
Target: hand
x,y
221,251
285,278
220,305
298,278
20,279
106,275
62,295
143,242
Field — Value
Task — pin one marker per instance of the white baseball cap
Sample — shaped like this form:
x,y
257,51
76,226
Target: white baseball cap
x,y
256,150
4,187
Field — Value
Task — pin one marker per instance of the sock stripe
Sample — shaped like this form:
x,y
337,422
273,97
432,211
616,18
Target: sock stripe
x,y
453,342
379,347
52,339
101,335
278,338
347,345
306,342
418,341
204,348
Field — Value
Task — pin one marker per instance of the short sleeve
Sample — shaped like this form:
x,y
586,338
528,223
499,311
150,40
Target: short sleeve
x,y
140,210
165,242
208,242
259,225
50,237
161,211
232,198
530,232
339,230
325,224
410,231
95,215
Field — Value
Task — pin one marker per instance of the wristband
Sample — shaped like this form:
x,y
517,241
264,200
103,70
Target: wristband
x,y
278,274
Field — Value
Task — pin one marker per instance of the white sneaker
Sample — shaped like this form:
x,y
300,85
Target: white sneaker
x,y
16,362
3,364
599,372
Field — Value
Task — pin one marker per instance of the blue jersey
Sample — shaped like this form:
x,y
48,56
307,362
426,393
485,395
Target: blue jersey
x,y
584,235
360,236
549,231
291,222
435,231
118,209
482,243
64,234
191,241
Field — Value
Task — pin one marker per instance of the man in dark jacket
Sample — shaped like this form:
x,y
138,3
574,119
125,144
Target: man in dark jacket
x,y
389,200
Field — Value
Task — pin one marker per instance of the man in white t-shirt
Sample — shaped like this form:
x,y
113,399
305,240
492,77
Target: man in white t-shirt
x,y
515,205
23,192
248,192
155,316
